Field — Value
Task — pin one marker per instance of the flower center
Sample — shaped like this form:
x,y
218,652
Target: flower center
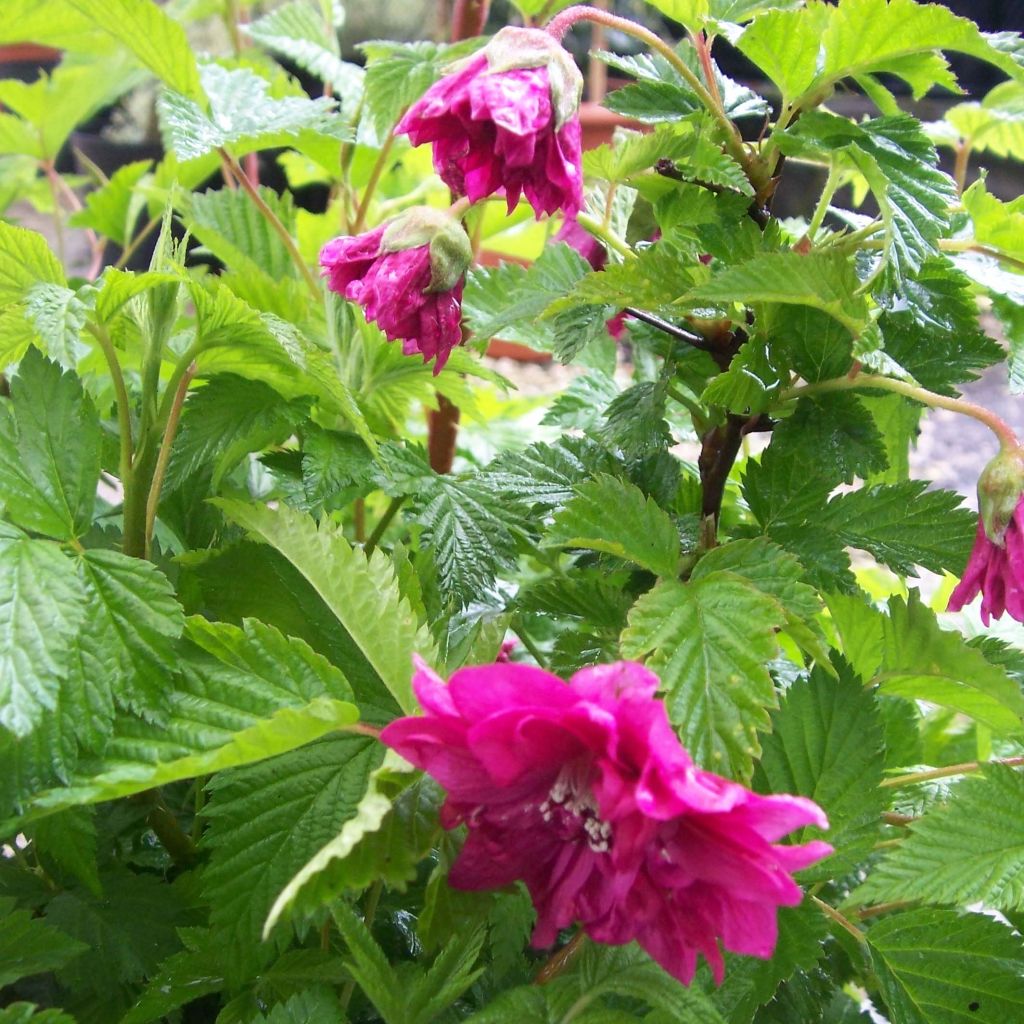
x,y
571,810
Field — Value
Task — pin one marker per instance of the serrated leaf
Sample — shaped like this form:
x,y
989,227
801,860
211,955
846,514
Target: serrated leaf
x,y
69,840
225,420
28,1013
997,225
42,606
940,967
112,209
58,316
266,821
297,31
635,419
969,851
710,641
821,280
994,125
785,45
826,744
921,661
361,593
506,299
314,1005
25,261
243,115
360,853
616,517
155,39
31,946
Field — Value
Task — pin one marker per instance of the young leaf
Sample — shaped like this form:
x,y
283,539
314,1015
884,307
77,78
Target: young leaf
x,y
317,1005
370,968
31,946
968,851
941,967
25,261
614,516
710,641
69,840
156,40
243,115
27,1013
361,592
112,209
267,821
997,225
826,744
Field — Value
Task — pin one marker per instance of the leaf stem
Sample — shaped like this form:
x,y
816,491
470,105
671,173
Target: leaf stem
x,y
843,922
529,644
831,184
1007,438
911,778
557,963
273,220
124,416
562,22
602,231
372,182
382,524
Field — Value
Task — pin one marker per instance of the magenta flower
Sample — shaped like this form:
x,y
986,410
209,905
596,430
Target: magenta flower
x,y
408,278
507,118
996,566
583,792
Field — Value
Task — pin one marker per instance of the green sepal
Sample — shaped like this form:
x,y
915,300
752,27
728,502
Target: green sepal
x,y
451,251
999,491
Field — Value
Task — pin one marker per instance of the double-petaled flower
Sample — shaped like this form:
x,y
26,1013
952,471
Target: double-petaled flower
x,y
583,792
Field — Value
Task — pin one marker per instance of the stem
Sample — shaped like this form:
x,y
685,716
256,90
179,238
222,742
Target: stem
x,y
602,231
696,340
371,184
528,643
273,220
884,908
442,432
718,452
831,184
382,524
966,768
124,417
129,249
700,44
164,454
359,519
1007,438
963,155
846,925
469,18
562,22
560,959
952,245
58,217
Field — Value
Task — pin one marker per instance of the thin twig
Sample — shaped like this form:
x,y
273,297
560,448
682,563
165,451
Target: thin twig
x,y
912,778
371,184
696,340
382,524
124,418
843,922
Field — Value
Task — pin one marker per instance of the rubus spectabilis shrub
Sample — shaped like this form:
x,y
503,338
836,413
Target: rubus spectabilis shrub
x,y
340,681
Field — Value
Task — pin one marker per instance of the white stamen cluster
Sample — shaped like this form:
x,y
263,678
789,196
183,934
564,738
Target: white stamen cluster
x,y
580,804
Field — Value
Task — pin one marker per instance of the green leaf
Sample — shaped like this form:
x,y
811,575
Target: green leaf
x,y
995,125
969,851
397,74
361,592
27,1013
785,45
369,966
42,607
156,40
224,421
314,1006
31,946
69,840
509,298
390,831
614,516
58,316
635,419
112,209
821,280
243,115
826,744
940,967
997,225
25,261
228,223
297,31
921,661
49,451
266,821
710,641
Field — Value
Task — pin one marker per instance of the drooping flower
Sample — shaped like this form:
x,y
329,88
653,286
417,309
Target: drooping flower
x,y
507,118
594,253
995,568
583,792
408,276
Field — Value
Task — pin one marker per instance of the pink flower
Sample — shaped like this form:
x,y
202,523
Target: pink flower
x,y
996,566
408,278
583,242
996,571
507,118
583,792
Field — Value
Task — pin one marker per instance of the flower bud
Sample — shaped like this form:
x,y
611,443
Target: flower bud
x,y
999,490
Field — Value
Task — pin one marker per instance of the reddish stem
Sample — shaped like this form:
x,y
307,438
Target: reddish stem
x,y
442,430
469,18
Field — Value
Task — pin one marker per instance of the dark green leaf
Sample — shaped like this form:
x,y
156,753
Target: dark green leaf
x,y
31,946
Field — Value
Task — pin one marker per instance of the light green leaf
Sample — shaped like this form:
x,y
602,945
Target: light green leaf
x,y
998,225
821,280
31,946
243,115
25,261
614,516
921,661
267,821
42,606
314,1006
28,1013
58,316
710,641
112,209
49,450
362,593
156,40
969,851
996,125
785,45
941,967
